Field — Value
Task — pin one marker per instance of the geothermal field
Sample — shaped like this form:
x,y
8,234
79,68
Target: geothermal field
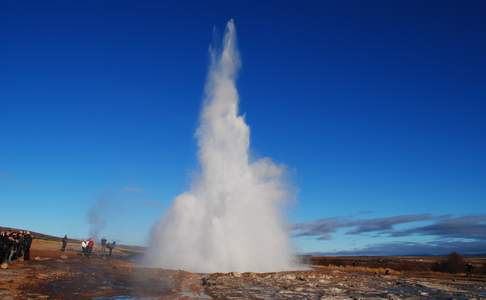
x,y
226,238
51,274
230,231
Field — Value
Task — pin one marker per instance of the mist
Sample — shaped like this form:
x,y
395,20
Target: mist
x,y
115,214
231,217
96,217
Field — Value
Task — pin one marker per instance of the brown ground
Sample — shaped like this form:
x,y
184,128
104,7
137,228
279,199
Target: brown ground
x,y
54,275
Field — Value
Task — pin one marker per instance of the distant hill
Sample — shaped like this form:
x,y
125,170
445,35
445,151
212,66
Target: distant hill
x,y
42,236
38,235
351,255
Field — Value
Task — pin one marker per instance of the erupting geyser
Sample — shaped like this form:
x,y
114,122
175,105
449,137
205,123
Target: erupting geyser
x,y
230,220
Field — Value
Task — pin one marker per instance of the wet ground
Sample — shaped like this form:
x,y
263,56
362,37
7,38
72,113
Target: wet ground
x,y
52,274
95,278
344,283
55,275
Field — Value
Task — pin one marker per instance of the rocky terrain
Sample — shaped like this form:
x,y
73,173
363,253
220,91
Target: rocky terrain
x,y
52,274
343,283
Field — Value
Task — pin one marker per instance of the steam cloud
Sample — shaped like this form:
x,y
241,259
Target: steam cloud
x,y
230,219
96,217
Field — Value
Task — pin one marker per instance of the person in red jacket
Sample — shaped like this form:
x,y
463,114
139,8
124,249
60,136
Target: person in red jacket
x,y
90,246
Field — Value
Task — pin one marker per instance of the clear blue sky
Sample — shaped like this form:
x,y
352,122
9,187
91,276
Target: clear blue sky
x,y
378,108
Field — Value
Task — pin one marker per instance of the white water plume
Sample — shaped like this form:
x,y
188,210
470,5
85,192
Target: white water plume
x,y
230,219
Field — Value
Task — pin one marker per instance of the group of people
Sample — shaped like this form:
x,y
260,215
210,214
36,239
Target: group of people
x,y
105,244
87,246
14,245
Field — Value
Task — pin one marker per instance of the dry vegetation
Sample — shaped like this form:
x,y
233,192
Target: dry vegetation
x,y
454,263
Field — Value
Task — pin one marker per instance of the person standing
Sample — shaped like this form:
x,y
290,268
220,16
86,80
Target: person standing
x,y
110,247
103,245
13,244
27,242
21,236
4,249
64,243
84,247
90,246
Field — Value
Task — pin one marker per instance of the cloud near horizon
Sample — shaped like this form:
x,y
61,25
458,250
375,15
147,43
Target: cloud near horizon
x,y
466,234
415,248
324,228
464,227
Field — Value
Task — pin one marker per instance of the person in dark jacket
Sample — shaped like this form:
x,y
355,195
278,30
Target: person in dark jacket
x,y
64,243
12,247
27,242
19,253
103,246
4,248
110,247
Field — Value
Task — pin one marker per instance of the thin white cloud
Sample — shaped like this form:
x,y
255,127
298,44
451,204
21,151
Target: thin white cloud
x,y
465,234
465,227
324,228
438,247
